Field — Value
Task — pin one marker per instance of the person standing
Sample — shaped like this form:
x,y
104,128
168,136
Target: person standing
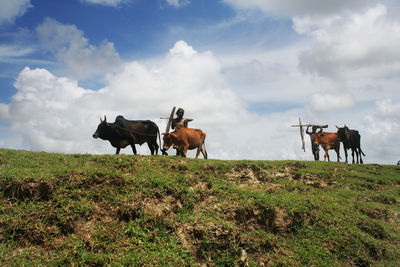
x,y
314,146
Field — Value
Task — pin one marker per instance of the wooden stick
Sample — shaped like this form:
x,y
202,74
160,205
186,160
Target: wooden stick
x,y
302,136
308,125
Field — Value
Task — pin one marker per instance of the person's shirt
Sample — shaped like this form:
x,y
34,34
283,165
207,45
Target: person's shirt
x,y
180,122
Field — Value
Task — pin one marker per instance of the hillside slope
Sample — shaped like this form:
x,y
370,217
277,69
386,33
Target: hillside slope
x,y
155,210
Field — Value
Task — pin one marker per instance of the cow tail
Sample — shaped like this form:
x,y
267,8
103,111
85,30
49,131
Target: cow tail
x,y
361,151
159,140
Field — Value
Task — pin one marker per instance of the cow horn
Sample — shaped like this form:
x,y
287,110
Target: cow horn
x,y
105,118
337,127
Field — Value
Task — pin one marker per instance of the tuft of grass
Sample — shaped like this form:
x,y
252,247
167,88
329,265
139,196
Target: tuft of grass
x,y
58,209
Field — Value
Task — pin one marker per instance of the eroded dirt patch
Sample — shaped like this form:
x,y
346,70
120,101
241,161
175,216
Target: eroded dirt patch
x,y
204,238
246,175
28,190
375,213
274,220
373,229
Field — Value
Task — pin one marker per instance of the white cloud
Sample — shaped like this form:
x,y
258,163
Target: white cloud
x,y
178,3
112,3
10,10
8,52
71,48
353,46
382,125
329,102
301,7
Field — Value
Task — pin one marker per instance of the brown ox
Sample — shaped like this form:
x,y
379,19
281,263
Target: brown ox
x,y
328,141
183,139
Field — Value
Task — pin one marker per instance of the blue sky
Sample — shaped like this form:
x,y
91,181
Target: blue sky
x,y
236,66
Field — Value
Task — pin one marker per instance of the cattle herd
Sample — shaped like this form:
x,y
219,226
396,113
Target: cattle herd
x,y
123,132
350,139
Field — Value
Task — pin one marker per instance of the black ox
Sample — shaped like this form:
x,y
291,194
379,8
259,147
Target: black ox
x,y
351,139
124,132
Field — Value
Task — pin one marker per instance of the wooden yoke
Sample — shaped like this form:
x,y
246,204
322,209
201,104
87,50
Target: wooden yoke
x,y
300,125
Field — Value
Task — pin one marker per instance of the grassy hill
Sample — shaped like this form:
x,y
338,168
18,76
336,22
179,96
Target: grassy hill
x,y
59,209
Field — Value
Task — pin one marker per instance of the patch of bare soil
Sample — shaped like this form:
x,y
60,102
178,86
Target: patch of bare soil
x,y
375,213
204,238
83,229
274,220
161,207
373,229
242,176
164,206
178,167
380,198
296,165
101,217
314,180
29,189
249,176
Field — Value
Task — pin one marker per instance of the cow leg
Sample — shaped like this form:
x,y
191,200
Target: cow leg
x,y
345,153
338,154
150,145
316,153
156,146
327,154
357,155
203,151
184,151
198,151
133,149
359,151
352,155
118,149
355,151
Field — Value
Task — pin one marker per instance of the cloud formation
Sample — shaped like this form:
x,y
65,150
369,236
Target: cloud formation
x,y
301,7
112,3
10,10
55,114
358,45
178,3
7,52
70,47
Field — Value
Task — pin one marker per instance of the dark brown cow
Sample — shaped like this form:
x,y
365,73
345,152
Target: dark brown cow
x,y
351,140
124,132
328,141
183,139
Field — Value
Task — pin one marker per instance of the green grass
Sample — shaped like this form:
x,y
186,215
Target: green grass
x,y
59,209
